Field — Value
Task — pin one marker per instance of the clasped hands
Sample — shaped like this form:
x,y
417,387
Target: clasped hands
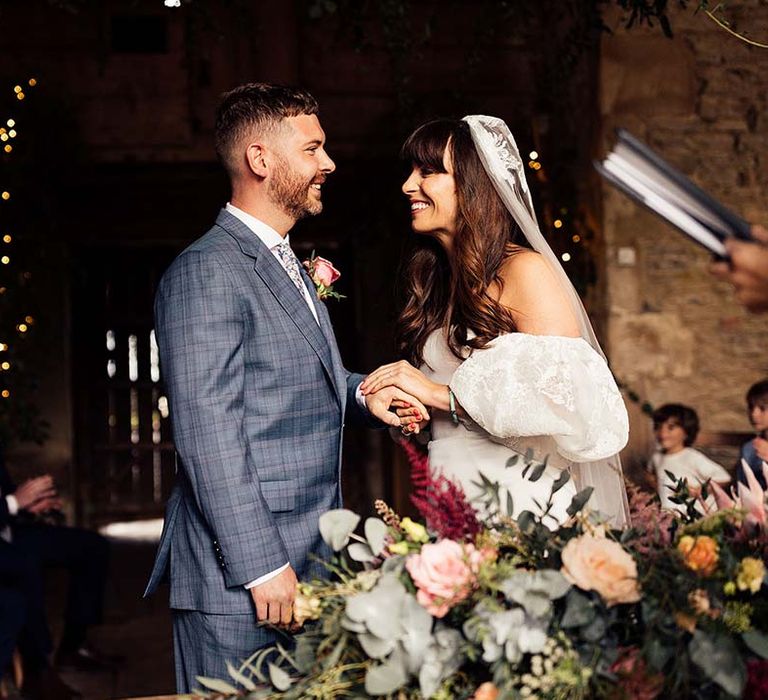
x,y
38,495
400,395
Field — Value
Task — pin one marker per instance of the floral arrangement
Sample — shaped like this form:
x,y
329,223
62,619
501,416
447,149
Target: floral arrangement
x,y
323,275
503,609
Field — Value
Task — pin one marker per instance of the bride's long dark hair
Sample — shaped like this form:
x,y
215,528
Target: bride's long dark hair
x,y
454,294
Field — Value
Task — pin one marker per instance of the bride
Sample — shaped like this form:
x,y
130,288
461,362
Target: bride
x,y
496,342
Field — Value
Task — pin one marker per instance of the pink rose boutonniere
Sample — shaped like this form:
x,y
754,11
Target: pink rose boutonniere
x,y
323,274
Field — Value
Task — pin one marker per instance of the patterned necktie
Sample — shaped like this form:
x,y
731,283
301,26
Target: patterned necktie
x,y
290,263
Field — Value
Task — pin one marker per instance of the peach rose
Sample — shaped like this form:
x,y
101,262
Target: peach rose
x,y
700,554
487,691
602,565
444,574
323,272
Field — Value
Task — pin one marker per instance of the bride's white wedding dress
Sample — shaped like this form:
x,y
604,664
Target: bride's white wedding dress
x,y
550,394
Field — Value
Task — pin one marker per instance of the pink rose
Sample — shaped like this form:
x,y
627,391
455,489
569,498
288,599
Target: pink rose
x,y
324,272
444,574
602,565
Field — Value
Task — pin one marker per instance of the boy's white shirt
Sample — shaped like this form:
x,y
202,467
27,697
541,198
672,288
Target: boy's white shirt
x,y
689,464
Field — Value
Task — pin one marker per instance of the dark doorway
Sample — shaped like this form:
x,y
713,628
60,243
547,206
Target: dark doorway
x,y
125,456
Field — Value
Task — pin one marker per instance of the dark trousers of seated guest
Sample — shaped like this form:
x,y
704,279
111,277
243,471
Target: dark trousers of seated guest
x,y
26,626
85,556
12,617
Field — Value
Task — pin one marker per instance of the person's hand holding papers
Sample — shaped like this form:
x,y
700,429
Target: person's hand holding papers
x,y
747,270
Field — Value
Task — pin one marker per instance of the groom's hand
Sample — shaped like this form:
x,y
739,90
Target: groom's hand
x,y
383,401
274,599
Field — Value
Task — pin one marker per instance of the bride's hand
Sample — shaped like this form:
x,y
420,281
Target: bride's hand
x,y
406,377
412,421
384,403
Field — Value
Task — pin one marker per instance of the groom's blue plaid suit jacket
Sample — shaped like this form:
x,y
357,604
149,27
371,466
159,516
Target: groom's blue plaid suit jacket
x,y
257,396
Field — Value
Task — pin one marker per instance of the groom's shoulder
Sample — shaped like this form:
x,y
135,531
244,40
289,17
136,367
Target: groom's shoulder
x,y
215,245
214,250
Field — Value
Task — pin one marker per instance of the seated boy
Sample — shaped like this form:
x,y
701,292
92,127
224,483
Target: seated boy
x,y
676,427
754,452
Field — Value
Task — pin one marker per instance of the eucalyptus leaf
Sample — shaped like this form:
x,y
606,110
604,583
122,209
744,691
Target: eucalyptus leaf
x,y
720,661
336,526
394,565
562,480
376,531
333,658
384,679
538,470
217,685
579,610
757,642
512,461
305,653
279,678
526,521
510,504
374,646
352,625
595,630
579,501
359,551
238,677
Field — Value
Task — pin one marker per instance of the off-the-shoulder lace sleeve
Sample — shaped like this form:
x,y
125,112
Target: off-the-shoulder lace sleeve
x,y
526,385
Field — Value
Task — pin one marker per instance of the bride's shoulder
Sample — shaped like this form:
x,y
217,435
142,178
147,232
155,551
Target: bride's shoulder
x,y
524,270
534,296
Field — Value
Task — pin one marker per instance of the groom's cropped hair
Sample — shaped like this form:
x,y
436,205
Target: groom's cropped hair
x,y
255,109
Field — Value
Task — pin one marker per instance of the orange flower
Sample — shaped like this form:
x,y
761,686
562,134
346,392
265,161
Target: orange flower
x,y
699,553
487,691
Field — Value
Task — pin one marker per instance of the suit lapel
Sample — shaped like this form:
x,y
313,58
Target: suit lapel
x,y
283,289
330,336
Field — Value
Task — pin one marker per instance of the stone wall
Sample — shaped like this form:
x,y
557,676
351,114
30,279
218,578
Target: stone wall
x,y
674,333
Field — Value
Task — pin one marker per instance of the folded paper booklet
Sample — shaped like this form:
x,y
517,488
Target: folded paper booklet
x,y
642,174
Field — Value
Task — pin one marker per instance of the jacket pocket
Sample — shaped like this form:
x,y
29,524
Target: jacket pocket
x,y
279,495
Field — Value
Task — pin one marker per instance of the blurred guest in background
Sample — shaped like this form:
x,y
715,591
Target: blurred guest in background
x,y
676,427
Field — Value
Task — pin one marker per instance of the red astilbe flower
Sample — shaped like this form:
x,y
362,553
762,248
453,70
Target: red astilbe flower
x,y
757,680
441,502
649,520
635,680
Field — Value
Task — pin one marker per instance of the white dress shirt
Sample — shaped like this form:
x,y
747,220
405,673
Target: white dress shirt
x,y
13,508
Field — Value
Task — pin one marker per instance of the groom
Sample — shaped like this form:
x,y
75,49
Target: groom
x,y
257,391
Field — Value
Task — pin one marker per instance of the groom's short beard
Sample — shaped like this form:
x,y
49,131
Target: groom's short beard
x,y
291,192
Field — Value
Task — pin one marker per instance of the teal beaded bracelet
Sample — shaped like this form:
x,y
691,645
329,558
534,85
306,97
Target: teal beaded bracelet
x,y
452,407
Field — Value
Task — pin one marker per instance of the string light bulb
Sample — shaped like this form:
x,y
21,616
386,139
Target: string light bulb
x,y
32,82
533,155
22,328
565,257
12,133
5,260
30,320
8,148
6,366
3,347
20,96
7,238
558,223
5,393
576,238
11,123
6,196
